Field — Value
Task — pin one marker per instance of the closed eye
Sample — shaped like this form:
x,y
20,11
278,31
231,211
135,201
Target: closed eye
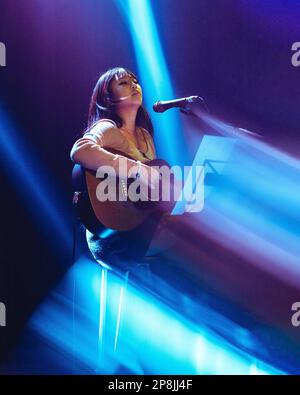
x,y
125,82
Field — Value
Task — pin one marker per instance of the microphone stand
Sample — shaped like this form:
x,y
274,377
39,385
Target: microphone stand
x,y
188,111
235,131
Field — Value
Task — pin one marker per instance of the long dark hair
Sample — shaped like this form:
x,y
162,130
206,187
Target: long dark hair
x,y
100,106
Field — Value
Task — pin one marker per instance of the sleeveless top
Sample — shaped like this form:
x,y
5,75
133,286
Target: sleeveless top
x,y
139,146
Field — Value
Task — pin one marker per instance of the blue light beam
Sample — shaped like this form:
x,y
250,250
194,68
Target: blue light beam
x,y
155,78
30,180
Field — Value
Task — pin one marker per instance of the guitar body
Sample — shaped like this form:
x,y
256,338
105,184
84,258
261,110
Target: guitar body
x,y
100,216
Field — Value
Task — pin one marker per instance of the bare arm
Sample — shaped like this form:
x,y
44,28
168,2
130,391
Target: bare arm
x,y
88,151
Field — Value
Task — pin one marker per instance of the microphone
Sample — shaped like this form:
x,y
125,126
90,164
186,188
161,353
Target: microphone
x,y
161,106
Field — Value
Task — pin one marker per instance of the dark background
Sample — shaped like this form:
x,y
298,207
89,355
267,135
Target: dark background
x,y
236,54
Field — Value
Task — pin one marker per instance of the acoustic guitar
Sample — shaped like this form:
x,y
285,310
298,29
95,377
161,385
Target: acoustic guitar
x,y
120,215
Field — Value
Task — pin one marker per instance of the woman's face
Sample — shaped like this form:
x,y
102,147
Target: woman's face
x,y
126,90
